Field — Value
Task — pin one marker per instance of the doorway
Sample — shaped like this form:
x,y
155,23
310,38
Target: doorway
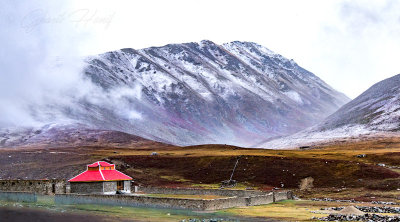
x,y
120,185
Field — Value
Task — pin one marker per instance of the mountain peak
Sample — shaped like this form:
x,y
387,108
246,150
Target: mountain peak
x,y
201,92
207,42
238,93
251,46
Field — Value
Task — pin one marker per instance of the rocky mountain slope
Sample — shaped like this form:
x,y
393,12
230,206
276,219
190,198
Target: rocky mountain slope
x,y
374,112
238,93
72,135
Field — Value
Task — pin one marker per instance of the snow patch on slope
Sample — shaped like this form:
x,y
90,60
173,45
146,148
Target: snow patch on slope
x,y
294,96
307,138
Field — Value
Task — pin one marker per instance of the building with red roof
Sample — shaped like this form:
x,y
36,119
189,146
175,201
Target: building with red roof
x,y
101,177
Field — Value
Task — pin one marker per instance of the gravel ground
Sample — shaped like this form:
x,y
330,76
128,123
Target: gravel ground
x,y
365,217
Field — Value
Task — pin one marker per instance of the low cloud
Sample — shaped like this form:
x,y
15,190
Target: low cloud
x,y
42,65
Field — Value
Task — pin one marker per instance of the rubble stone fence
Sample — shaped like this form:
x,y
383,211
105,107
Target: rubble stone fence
x,y
172,202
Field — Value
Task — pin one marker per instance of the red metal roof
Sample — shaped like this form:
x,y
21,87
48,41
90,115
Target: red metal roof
x,y
100,175
101,163
88,176
115,175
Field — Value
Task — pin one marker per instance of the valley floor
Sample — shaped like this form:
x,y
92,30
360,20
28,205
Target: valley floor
x,y
366,171
291,210
46,210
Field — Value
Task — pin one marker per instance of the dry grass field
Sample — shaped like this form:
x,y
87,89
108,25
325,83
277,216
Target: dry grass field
x,y
367,170
337,169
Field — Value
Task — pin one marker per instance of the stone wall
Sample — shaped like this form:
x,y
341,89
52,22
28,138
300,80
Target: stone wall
x,y
261,199
283,196
85,187
215,192
127,186
224,203
166,202
128,200
110,187
145,201
48,187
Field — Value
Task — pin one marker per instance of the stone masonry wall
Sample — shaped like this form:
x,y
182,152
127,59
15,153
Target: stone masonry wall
x,y
127,186
50,187
110,187
92,187
261,199
36,186
175,203
216,192
283,196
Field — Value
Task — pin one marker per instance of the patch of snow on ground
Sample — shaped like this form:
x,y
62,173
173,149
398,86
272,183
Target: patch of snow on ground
x,y
294,96
308,137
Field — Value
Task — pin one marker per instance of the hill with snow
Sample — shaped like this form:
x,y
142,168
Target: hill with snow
x,y
374,112
237,93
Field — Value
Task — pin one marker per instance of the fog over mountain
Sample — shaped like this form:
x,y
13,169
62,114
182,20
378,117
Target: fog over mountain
x,y
236,93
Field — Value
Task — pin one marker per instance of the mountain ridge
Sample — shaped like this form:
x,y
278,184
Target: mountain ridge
x,y
195,93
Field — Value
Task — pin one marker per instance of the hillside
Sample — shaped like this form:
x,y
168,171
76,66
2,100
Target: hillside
x,y
71,135
375,113
207,165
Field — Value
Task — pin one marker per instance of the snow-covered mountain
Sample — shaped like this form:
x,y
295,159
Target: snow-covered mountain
x,y
238,93
374,112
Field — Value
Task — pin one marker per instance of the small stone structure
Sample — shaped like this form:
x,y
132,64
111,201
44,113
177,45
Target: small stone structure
x,y
101,178
46,186
104,187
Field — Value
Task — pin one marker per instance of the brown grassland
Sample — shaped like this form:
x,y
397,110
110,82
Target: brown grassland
x,y
336,169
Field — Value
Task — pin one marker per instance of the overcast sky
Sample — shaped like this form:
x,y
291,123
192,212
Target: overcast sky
x,y
349,44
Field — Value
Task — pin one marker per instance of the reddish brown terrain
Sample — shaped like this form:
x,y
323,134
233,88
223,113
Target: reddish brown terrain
x,y
335,166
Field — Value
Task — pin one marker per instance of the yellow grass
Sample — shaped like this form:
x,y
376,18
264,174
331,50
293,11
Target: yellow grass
x,y
285,210
174,178
239,186
340,151
291,210
352,193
